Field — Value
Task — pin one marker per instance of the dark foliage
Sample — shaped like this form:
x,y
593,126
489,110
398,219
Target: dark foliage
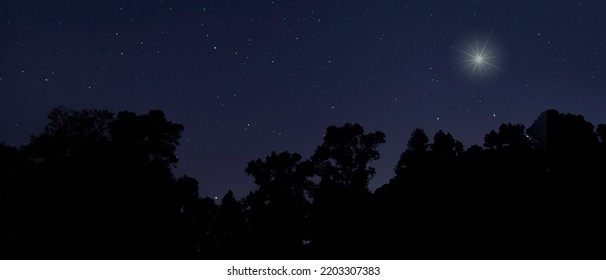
x,y
94,185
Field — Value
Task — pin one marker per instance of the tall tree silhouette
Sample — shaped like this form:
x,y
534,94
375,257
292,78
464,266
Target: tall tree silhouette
x,y
601,130
145,146
394,203
278,210
416,155
417,211
185,199
12,172
444,146
231,229
205,229
341,199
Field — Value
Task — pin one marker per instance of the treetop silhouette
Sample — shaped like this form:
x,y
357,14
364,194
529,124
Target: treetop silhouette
x,y
98,185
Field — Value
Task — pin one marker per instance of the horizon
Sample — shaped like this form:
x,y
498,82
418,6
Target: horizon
x,y
249,78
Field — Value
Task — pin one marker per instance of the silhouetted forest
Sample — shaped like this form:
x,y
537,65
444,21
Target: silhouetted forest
x,y
95,185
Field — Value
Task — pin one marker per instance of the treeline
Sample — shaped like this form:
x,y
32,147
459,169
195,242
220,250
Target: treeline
x,y
94,185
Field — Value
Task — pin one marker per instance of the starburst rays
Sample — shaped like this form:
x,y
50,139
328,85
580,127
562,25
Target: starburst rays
x,y
479,57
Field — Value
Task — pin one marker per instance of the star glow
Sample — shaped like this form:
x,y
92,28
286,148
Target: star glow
x,y
479,57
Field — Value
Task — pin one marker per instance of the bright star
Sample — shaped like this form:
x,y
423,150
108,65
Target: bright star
x,y
479,57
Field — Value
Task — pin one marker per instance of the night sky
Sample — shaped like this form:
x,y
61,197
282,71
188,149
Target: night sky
x,y
249,77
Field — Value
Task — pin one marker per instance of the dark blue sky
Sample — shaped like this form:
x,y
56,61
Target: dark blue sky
x,y
249,77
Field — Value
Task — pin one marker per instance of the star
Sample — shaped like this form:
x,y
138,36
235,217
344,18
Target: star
x,y
479,57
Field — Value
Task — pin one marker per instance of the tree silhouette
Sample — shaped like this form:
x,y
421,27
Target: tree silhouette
x,y
94,185
12,169
511,151
148,138
601,130
567,143
185,199
204,230
445,146
569,148
95,180
343,157
231,229
57,204
70,134
416,155
510,136
145,145
342,199
416,208
278,210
